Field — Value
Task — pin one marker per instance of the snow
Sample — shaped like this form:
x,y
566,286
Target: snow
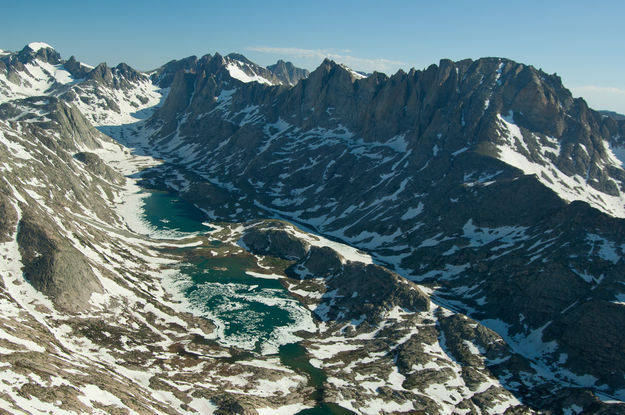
x,y
38,78
346,251
607,249
508,236
378,406
462,150
35,46
617,154
355,75
568,188
15,148
27,344
283,410
92,393
398,143
93,102
413,212
264,276
235,71
328,351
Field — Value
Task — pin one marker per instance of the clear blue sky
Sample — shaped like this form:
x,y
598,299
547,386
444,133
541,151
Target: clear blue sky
x,y
582,41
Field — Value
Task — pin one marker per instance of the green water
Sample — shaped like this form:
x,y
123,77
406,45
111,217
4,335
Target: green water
x,y
294,356
250,313
170,213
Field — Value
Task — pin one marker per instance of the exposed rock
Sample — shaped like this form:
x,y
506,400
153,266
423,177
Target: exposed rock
x,y
8,217
95,164
76,68
591,335
275,242
54,267
288,73
231,405
318,262
410,167
101,73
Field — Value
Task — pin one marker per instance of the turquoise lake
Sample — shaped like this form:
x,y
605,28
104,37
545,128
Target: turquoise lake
x,y
252,313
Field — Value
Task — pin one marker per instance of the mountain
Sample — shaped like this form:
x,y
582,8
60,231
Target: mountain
x,y
287,72
484,179
613,114
474,264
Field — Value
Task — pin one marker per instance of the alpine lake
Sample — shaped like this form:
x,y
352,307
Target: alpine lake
x,y
250,312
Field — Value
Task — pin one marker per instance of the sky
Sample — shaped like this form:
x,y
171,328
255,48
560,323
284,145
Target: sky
x,y
581,41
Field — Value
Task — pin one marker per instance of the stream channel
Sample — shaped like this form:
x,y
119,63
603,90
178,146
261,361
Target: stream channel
x,y
253,313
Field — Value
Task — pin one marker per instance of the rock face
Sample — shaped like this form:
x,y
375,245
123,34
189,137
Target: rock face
x,y
275,242
54,267
103,95
95,164
288,73
8,219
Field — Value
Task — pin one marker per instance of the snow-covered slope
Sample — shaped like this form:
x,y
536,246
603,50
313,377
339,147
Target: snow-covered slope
x,y
245,73
515,151
34,77
107,96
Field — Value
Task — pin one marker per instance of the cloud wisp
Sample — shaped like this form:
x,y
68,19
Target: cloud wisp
x,y
341,56
602,97
599,89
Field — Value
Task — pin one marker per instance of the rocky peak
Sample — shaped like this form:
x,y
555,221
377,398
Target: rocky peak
x,y
164,75
41,51
120,77
288,73
211,64
75,68
238,57
101,73
128,73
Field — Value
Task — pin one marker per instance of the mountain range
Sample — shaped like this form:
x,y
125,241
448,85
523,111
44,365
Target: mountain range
x,y
454,235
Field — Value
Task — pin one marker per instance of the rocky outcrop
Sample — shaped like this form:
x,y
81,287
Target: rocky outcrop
x,y
75,68
54,267
98,167
288,73
8,217
370,290
231,405
318,262
427,170
275,242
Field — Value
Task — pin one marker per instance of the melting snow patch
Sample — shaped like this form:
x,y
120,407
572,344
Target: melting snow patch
x,y
413,212
507,235
607,249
